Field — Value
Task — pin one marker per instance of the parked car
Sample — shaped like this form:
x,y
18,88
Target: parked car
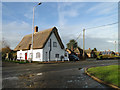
x,y
73,58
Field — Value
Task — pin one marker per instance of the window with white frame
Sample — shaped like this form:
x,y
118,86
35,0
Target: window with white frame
x,y
20,54
38,55
54,44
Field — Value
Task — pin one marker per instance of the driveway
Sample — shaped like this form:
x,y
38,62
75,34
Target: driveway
x,y
59,75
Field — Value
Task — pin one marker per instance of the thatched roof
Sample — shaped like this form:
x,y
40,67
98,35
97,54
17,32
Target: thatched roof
x,y
40,39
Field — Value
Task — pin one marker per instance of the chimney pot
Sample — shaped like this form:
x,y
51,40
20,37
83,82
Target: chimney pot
x,y
36,29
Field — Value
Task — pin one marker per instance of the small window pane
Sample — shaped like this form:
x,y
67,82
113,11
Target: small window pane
x,y
20,54
54,44
57,55
37,55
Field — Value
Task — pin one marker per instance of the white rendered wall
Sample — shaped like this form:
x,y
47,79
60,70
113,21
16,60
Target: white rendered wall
x,y
29,55
22,55
41,55
54,50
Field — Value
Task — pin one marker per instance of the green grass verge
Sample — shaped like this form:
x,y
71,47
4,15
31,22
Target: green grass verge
x,y
108,74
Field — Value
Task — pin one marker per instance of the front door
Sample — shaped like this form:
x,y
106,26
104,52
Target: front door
x,y
25,56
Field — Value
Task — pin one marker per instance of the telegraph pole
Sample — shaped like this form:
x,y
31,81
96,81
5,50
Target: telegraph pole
x,y
115,47
83,43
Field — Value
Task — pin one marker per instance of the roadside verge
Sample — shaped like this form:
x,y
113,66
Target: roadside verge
x,y
100,81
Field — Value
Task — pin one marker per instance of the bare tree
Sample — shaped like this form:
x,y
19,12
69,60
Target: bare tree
x,y
5,43
5,48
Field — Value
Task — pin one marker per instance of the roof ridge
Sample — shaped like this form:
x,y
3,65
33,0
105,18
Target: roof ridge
x,y
41,31
47,29
28,35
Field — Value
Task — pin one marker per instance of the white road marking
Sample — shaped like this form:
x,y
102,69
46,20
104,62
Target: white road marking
x,y
39,74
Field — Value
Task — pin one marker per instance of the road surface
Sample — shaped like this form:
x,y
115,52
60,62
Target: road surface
x,y
58,75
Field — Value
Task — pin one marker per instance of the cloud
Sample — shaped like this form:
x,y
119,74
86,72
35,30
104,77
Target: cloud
x,y
101,38
99,43
29,16
0,24
112,41
67,10
103,32
29,12
62,1
107,19
13,32
16,26
90,42
103,8
98,37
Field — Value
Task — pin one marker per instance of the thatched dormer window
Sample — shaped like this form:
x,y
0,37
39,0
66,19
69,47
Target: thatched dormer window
x,y
30,46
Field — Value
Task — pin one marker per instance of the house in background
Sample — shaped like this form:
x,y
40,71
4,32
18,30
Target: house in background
x,y
76,51
106,52
47,46
91,53
79,52
117,53
88,52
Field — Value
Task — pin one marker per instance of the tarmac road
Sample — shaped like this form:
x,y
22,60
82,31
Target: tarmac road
x,y
58,75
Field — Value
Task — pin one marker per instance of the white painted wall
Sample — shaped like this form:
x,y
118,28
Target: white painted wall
x,y
29,54
22,55
41,55
54,50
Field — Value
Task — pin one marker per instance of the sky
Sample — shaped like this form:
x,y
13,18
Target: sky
x,y
70,18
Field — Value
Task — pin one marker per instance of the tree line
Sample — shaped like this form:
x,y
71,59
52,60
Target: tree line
x,y
6,52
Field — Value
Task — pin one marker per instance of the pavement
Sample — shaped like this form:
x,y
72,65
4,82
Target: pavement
x,y
58,75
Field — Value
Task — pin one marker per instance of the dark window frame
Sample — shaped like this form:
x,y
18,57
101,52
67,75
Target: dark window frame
x,y
54,44
56,55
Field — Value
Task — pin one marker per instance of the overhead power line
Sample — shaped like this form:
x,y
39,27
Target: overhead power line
x,y
78,37
97,27
103,25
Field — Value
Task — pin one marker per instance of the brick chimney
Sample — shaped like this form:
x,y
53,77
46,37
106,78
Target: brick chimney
x,y
35,29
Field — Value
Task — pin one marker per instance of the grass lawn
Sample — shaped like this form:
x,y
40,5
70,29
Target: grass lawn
x,y
108,74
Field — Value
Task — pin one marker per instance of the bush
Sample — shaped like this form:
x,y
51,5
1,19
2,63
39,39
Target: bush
x,y
3,56
99,57
106,56
22,62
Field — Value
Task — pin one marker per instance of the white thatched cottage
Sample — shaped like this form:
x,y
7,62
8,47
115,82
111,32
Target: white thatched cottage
x,y
47,46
